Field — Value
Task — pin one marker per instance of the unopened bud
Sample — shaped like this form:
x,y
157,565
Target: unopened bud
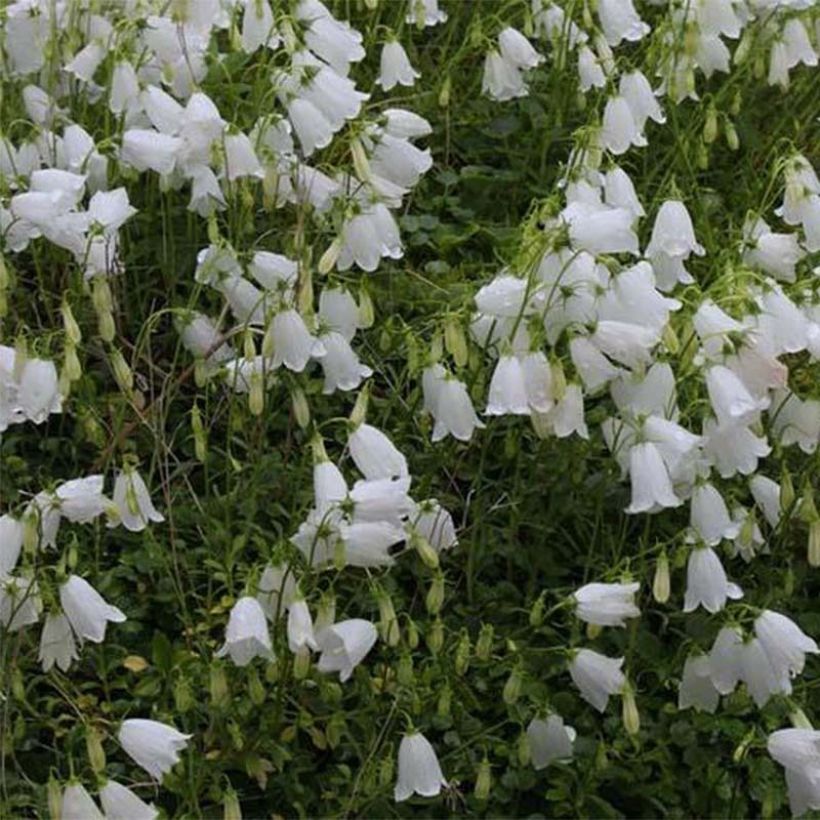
x,y
94,749
256,688
301,663
231,809
301,409
444,92
710,127
55,799
256,394
523,749
71,363
483,780
404,672
360,162
200,438
330,256
732,139
787,494
325,612
435,595
462,660
814,544
412,634
435,637
359,412
455,341
484,644
388,623
559,380
105,326
445,699
72,329
122,372
425,550
220,694
512,688
537,610
631,716
367,314
660,583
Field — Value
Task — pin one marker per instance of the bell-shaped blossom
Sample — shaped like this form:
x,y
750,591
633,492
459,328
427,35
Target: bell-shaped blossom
x,y
593,367
696,686
766,494
447,400
620,21
508,391
425,13
20,603
293,344
419,769
673,233
381,500
502,80
517,50
731,401
796,421
601,229
367,236
344,646
395,68
706,582
57,643
375,455
651,486
86,610
120,803
435,525
732,448
567,416
300,627
246,636
635,89
620,130
549,740
77,804
761,678
710,517
619,192
38,394
627,343
784,643
133,501
276,590
11,543
144,149
725,660
606,604
340,364
774,253
597,677
368,543
152,745
257,26
798,751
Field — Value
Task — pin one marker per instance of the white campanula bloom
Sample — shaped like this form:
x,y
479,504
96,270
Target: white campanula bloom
x,y
11,543
367,236
597,677
590,72
447,400
293,344
276,590
620,129
201,337
86,610
592,366
246,636
152,745
620,21
774,253
696,686
332,40
404,124
20,603
425,13
517,50
258,27
731,401
635,89
606,604
375,455
340,364
300,627
798,751
706,582
567,415
124,93
649,394
673,233
784,643
395,68
651,486
145,150
339,311
619,192
549,740
313,129
120,803
710,517
335,96
381,500
600,229
435,525
419,769
508,391
133,501
57,644
732,448
397,160
502,80
344,646
240,158
38,394
627,343
761,678
725,660
77,804
796,421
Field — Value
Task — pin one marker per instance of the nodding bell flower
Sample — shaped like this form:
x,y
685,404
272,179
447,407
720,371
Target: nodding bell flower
x,y
20,603
152,745
549,740
620,129
133,501
300,627
502,80
709,516
246,636
590,72
395,67
774,253
696,687
86,610
706,582
597,677
57,643
620,21
277,589
257,26
651,486
120,803
11,543
375,455
798,751
419,769
766,494
447,400
606,604
517,50
425,13
77,804
293,344
344,646
600,229
784,643
435,525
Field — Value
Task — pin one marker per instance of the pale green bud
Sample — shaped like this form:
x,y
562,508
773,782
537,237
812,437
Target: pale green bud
x,y
631,716
483,780
661,582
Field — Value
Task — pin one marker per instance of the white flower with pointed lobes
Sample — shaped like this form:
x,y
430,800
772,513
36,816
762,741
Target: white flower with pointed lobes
x,y
606,604
597,677
651,486
77,804
784,643
696,686
375,454
344,645
549,740
120,803
395,67
133,501
153,745
798,751
419,769
300,627
57,644
246,636
86,610
706,582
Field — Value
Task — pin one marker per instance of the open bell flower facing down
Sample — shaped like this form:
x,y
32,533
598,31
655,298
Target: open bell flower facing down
x,y
86,609
375,455
606,604
798,751
120,803
344,646
77,804
134,502
784,643
153,745
419,769
597,677
247,635
395,67
549,740
57,643
706,582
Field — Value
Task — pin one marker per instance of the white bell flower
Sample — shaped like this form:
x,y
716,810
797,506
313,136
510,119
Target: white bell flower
x,y
447,400
340,364
300,627
620,130
276,590
696,687
375,455
240,158
620,21
774,253
601,229
517,50
293,344
144,149
725,669
508,391
395,68
20,603
732,448
425,13
651,486
57,643
593,367
367,543
761,678
86,610
11,543
784,643
798,751
246,636
419,769
124,94
313,129
381,500
134,501
730,399
502,81
152,745
673,233
77,804
339,311
38,393
344,646
435,525
549,740
710,517
619,192
567,416
766,494
606,604
590,72
120,803
706,582
257,26
627,343
597,677
635,89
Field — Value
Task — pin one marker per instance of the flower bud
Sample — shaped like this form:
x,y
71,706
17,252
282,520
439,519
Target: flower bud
x,y
523,749
806,509
814,544
426,552
122,372
231,809
462,661
559,380
483,780
200,439
359,412
325,612
304,297
256,395
94,749
444,92
360,162
435,637
388,623
72,329
787,494
445,699
455,341
710,127
412,634
71,363
512,688
330,256
183,697
333,730
537,610
732,139
484,645
404,673
386,771
256,688
220,694
301,663
630,714
31,530
435,595
661,583
301,409
366,310
55,798
105,326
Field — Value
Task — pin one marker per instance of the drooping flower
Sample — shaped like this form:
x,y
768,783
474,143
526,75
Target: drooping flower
x,y
300,627
606,604
152,745
419,769
395,67
57,643
134,502
344,646
597,677
549,740
784,643
798,751
706,582
651,486
246,636
77,804
120,803
86,610
375,454
696,686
